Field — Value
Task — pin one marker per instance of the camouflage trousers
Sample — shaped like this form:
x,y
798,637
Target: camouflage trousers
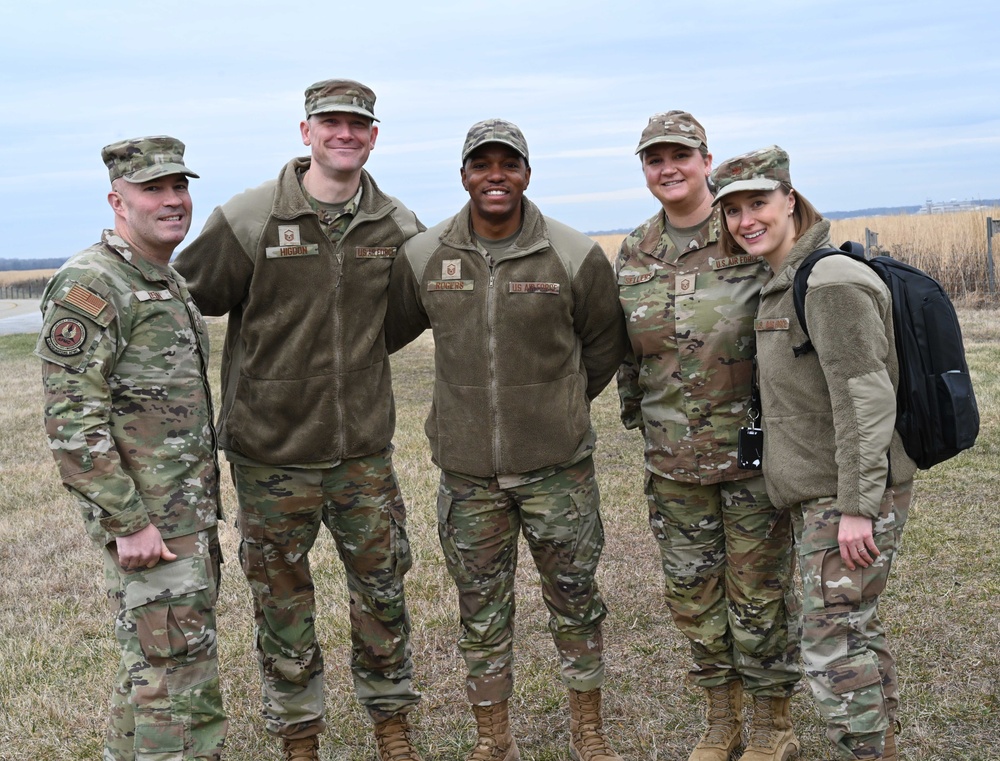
x,y
847,660
728,563
280,514
478,524
166,704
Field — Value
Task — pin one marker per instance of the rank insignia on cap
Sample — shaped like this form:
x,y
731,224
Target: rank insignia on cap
x,y
84,300
66,337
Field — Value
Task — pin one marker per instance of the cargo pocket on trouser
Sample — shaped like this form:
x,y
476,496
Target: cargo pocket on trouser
x,y
176,696
449,547
399,540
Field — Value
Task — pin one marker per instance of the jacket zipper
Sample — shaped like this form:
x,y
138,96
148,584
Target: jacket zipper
x,y
494,384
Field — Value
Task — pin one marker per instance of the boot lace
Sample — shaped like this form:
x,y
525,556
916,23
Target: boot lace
x,y
763,731
721,718
392,738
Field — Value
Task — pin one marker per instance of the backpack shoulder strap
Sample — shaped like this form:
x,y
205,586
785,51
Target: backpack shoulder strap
x,y
801,285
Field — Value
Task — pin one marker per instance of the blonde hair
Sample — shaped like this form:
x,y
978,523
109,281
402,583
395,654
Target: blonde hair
x,y
804,216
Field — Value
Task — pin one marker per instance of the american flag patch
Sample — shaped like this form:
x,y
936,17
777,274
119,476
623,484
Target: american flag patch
x,y
85,300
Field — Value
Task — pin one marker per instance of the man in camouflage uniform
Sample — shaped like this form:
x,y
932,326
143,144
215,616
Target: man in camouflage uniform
x,y
301,265
527,332
128,414
685,383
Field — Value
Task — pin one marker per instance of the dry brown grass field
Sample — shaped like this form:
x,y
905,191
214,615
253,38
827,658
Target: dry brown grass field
x,y
57,654
11,277
950,247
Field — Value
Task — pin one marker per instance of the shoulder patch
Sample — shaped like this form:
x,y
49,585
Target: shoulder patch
x,y
66,337
85,300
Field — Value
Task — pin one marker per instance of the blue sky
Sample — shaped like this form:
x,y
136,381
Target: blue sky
x,y
878,103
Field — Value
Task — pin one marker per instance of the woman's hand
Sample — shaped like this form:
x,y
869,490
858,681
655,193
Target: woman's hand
x,y
857,545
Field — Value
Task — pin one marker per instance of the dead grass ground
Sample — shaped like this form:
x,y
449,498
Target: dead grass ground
x,y
57,655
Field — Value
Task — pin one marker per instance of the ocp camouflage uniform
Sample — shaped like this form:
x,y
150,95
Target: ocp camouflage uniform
x,y
128,415
685,382
526,334
849,459
306,424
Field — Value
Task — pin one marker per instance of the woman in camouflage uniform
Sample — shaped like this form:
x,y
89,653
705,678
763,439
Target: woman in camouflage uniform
x,y
832,456
685,383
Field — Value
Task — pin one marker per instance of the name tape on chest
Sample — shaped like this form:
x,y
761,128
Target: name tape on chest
x,y
382,252
280,252
534,287
773,323
734,261
450,285
163,295
631,279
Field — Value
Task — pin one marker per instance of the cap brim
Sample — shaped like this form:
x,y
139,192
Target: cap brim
x,y
338,109
758,183
508,143
690,142
159,170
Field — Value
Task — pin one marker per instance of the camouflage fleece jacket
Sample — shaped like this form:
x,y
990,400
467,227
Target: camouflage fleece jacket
x,y
305,373
520,347
686,377
829,415
127,403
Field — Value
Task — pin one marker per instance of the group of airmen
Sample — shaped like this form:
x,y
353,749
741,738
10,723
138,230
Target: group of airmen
x,y
323,276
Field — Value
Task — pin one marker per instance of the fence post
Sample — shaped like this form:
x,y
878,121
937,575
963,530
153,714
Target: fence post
x,y
871,243
992,226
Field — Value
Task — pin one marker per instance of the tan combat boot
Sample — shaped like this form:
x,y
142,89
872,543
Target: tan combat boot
x,y
889,753
302,749
392,740
495,743
586,728
724,715
771,737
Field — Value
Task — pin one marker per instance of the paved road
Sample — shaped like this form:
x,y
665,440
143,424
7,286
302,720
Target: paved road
x,y
20,316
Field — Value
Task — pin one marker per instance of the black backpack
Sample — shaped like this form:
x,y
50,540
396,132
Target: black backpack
x,y
936,412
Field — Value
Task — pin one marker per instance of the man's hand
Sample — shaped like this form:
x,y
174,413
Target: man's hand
x,y
143,549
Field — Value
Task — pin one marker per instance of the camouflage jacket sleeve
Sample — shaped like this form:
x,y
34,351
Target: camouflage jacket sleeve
x,y
629,390
598,320
78,403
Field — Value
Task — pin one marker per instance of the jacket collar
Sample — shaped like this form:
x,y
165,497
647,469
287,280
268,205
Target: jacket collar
x,y
290,202
118,246
815,237
656,242
534,232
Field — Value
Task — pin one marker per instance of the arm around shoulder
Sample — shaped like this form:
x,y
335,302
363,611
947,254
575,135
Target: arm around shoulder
x,y
217,266
598,320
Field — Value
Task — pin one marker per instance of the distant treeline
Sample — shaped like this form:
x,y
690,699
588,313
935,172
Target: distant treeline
x,y
31,264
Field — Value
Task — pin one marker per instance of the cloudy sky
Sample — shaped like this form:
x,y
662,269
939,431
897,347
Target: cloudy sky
x,y
878,103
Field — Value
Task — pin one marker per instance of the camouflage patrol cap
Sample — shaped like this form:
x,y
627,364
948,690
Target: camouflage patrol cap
x,y
340,95
494,131
764,169
141,159
672,127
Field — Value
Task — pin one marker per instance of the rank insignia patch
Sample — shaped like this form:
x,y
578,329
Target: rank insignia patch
x,y
66,337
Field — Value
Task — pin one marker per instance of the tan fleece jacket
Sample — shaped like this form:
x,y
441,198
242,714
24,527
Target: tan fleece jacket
x,y
305,373
829,415
520,347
